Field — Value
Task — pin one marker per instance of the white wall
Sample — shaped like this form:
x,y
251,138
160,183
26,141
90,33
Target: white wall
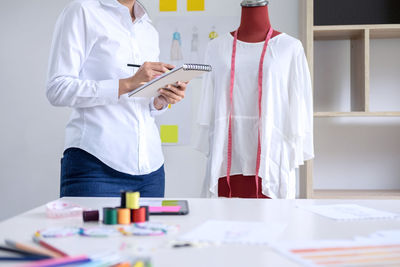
x,y
32,131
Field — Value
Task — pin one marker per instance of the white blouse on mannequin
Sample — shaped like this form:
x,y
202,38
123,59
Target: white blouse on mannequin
x,y
287,113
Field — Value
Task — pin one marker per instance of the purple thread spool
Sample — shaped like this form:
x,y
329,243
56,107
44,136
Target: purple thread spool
x,y
90,216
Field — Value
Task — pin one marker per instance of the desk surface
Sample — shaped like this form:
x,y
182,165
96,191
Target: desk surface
x,y
301,225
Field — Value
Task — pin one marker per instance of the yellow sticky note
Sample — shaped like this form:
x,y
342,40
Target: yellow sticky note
x,y
169,106
195,5
168,5
169,133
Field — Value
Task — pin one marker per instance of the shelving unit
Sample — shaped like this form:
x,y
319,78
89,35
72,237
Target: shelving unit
x,y
360,37
357,114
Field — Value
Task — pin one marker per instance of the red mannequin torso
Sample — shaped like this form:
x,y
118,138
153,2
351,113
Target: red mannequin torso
x,y
254,27
254,24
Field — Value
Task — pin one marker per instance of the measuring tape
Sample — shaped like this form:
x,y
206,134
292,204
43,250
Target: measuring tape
x,y
260,88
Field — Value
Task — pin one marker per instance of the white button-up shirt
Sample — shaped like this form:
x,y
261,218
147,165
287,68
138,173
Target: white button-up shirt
x,y
92,44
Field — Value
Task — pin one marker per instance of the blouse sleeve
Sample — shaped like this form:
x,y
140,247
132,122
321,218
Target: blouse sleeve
x,y
206,108
301,110
67,56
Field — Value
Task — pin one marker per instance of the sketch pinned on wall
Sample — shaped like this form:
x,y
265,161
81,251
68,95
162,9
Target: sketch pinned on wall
x,y
184,40
176,48
194,47
213,34
188,36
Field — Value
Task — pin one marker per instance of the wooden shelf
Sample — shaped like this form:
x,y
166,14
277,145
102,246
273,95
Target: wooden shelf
x,y
359,37
339,32
336,33
356,114
356,194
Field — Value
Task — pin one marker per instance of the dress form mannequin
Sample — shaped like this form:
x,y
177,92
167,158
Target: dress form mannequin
x,y
254,27
254,24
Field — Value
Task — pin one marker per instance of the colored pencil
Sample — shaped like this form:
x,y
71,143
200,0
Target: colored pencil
x,y
31,249
49,247
122,264
58,262
23,258
22,252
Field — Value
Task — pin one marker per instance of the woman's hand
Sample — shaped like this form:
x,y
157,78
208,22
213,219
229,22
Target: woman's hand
x,y
147,72
171,94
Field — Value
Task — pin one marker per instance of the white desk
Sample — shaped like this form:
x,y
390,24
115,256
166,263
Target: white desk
x,y
302,225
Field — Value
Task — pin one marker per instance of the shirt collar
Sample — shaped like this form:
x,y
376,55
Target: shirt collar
x,y
140,11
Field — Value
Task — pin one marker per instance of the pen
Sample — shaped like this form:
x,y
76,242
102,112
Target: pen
x,y
49,247
184,245
30,249
134,65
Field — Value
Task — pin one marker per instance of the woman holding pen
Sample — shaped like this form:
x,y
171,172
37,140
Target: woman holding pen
x,y
111,140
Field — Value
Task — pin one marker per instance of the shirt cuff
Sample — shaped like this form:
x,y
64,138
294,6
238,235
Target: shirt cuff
x,y
108,89
155,112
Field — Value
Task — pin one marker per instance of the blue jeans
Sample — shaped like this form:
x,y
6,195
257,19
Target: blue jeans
x,y
84,175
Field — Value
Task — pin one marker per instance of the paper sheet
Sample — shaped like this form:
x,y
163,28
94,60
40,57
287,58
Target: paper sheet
x,y
195,5
349,212
226,232
168,5
165,209
391,235
369,252
169,133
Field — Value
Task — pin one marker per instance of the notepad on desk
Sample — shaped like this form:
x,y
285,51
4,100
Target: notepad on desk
x,y
349,212
184,73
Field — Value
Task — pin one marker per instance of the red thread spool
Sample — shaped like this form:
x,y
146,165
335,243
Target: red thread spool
x,y
139,215
90,216
147,212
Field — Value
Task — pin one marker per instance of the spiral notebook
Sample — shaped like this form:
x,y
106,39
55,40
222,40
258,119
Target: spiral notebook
x,y
184,73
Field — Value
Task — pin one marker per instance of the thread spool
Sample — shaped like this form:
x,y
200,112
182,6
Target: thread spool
x,y
124,216
139,215
110,216
123,199
90,216
132,200
147,212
